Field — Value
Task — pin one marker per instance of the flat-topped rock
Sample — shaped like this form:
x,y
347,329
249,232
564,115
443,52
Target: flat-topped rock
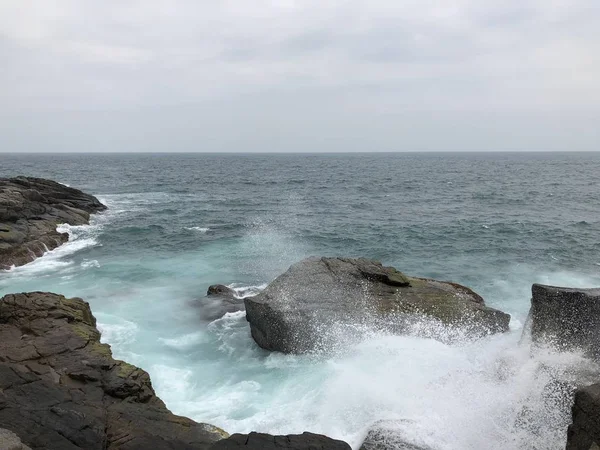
x,y
30,210
299,310
566,318
61,389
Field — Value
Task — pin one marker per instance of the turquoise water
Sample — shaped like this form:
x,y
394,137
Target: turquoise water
x,y
178,223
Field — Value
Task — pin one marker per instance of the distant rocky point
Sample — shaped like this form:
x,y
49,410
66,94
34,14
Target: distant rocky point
x,y
30,210
301,310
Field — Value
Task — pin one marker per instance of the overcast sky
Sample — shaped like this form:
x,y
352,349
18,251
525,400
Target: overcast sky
x,y
299,75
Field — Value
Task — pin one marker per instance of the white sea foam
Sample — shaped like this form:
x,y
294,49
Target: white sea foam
x,y
245,291
80,237
120,332
434,392
174,382
198,229
186,341
90,263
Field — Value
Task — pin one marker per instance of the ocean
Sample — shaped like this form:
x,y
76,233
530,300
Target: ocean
x,y
177,223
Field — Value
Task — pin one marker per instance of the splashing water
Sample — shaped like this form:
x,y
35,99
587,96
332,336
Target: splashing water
x,y
479,221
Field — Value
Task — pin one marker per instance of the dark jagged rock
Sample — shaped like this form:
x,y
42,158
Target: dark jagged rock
x,y
568,319
298,310
584,432
30,210
260,441
60,388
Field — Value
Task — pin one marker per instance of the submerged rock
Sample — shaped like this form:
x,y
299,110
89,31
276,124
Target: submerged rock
x,y
30,210
220,290
60,388
301,309
568,319
260,441
219,300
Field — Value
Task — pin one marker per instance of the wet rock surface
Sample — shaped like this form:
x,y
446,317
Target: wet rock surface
x,y
388,435
566,318
219,300
10,441
260,441
295,313
60,388
30,210
584,432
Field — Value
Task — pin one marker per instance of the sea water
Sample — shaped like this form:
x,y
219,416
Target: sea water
x,y
178,223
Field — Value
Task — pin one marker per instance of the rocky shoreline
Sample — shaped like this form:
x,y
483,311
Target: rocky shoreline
x,y
60,387
30,210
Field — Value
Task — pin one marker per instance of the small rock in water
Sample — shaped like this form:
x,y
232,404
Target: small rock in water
x,y
221,290
219,300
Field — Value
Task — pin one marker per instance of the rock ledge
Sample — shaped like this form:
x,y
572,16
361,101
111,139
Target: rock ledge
x,y
30,210
60,388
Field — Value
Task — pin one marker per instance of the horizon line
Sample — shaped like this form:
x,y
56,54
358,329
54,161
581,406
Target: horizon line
x,y
19,153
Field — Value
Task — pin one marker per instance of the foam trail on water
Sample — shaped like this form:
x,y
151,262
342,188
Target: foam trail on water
x,y
198,229
80,237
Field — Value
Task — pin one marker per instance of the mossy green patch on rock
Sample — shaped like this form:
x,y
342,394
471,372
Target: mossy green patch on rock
x,y
397,278
125,370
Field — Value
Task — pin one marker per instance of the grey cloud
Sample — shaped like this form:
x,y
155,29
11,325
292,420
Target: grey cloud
x,y
299,73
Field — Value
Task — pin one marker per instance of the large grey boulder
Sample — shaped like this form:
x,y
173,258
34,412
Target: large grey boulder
x,y
61,389
305,308
566,318
30,210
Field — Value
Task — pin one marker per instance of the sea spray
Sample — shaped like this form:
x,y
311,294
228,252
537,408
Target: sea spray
x,y
420,213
